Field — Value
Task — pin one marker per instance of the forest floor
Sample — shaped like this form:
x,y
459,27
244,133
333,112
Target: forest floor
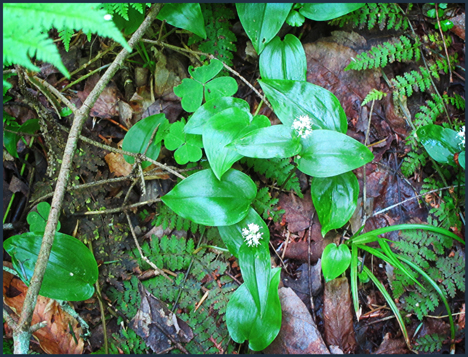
x,y
317,316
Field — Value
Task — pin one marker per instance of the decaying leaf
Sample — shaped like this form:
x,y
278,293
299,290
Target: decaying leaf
x,y
337,315
117,164
106,105
62,335
298,211
298,334
157,325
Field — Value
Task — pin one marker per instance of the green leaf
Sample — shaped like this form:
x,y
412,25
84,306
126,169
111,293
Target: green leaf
x,y
461,160
29,126
220,87
335,199
176,136
211,108
38,220
10,140
71,271
284,59
130,25
262,22
295,19
190,151
138,137
328,153
291,99
204,73
219,132
335,261
328,11
440,143
244,321
187,16
267,143
232,235
204,199
191,93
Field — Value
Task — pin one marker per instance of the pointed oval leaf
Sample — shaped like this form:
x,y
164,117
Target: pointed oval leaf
x,y
335,199
461,160
71,271
335,261
291,99
283,59
204,199
244,321
440,143
187,16
262,22
267,143
211,108
327,153
138,137
220,131
328,11
220,87
232,235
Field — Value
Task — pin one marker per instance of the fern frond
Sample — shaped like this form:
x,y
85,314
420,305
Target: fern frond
x,y
65,36
379,56
264,204
374,94
412,162
168,218
276,169
429,343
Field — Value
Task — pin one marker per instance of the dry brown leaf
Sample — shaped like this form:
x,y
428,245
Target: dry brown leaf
x,y
117,164
56,337
298,211
106,105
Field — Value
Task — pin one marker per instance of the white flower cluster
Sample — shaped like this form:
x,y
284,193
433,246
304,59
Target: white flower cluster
x,y
303,126
461,136
252,234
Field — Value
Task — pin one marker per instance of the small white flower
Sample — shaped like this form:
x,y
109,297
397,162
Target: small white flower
x,y
107,17
303,126
71,274
461,136
252,235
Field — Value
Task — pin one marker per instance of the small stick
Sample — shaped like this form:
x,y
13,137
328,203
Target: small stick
x,y
120,209
443,40
202,300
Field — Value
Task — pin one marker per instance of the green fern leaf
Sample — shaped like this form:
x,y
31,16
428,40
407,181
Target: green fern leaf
x,y
65,36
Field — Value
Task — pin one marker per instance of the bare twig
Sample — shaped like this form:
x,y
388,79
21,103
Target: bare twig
x,y
312,305
59,95
85,76
364,177
22,333
120,209
443,40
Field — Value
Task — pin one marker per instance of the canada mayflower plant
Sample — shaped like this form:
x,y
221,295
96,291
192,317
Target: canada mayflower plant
x,y
252,235
461,136
303,126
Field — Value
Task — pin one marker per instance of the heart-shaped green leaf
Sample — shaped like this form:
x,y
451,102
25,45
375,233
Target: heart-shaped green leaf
x,y
327,153
335,199
187,16
71,271
292,99
139,136
220,87
284,59
262,22
219,132
204,199
232,235
441,143
191,93
243,318
211,108
335,261
38,220
267,143
205,73
328,11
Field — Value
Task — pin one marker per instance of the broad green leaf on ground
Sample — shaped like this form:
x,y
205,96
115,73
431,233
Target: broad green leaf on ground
x,y
220,131
232,235
262,22
187,146
243,318
335,261
328,11
220,87
71,271
138,137
192,90
440,143
10,140
335,199
283,59
187,16
292,99
211,108
327,153
461,159
267,143
38,220
204,199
